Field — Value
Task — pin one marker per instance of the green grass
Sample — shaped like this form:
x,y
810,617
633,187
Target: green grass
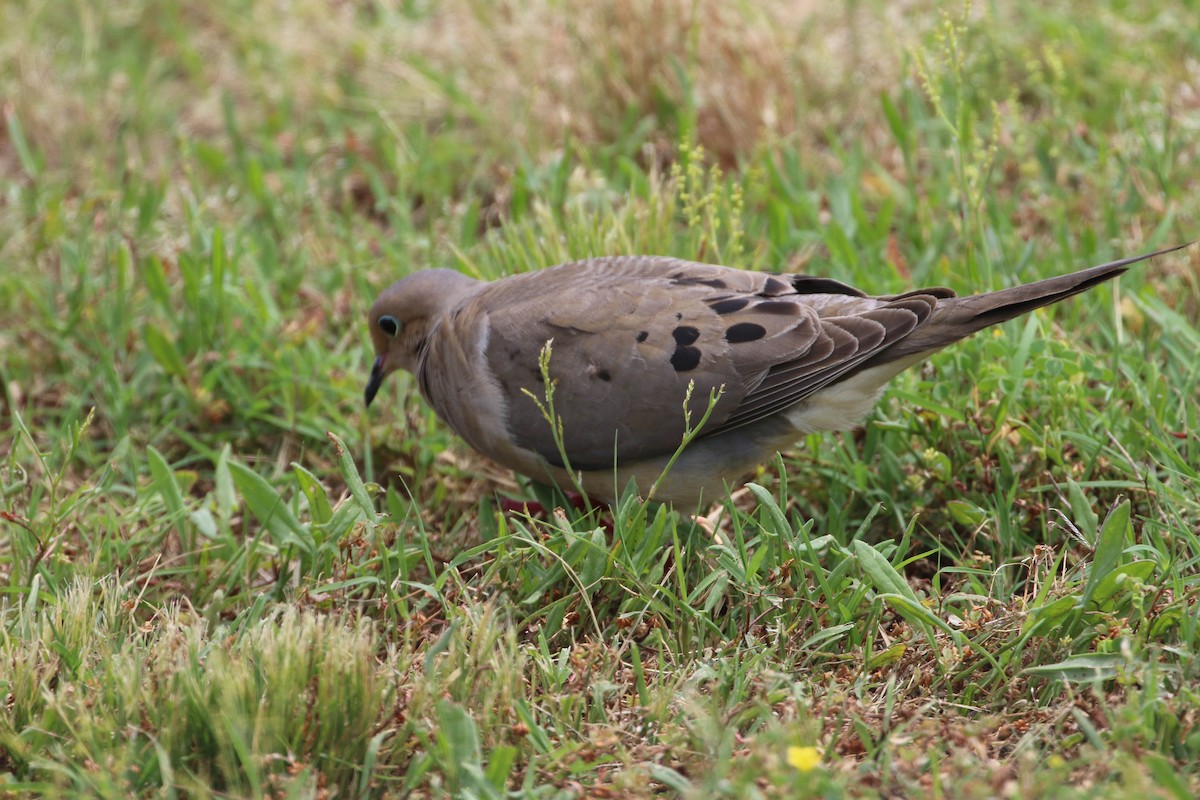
x,y
220,576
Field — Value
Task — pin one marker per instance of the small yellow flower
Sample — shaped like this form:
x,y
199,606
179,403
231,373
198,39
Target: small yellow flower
x,y
1056,761
805,759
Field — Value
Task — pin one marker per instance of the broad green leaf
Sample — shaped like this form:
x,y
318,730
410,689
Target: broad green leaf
x,y
1082,668
670,778
354,481
202,518
269,507
164,351
500,763
595,559
314,492
755,563
913,611
1054,610
155,278
887,656
223,488
345,518
457,733
967,514
826,635
1111,583
767,501
1083,515
537,734
166,486
1108,549
818,544
881,572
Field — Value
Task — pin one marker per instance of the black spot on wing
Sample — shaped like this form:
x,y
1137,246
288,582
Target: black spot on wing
x,y
729,305
685,358
685,335
744,332
803,284
643,336
777,307
774,286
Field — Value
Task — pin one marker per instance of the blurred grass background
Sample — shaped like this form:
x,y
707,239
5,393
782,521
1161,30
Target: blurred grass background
x,y
220,577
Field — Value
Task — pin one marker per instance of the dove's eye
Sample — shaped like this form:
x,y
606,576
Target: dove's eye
x,y
389,325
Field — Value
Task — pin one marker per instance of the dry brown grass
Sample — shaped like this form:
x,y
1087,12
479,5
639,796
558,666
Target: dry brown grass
x,y
537,71
522,75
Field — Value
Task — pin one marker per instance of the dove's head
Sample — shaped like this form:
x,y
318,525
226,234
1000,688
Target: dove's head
x,y
403,316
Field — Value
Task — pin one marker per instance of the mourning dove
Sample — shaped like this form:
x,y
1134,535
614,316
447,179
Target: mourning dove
x,y
786,354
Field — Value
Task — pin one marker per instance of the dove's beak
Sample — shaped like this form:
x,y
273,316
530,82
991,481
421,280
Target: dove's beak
x,y
375,381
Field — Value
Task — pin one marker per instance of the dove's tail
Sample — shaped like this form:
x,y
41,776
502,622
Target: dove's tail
x,y
956,318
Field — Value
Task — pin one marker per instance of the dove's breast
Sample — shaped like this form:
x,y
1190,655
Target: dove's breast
x,y
464,391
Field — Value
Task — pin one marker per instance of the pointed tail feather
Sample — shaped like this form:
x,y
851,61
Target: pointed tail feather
x,y
958,317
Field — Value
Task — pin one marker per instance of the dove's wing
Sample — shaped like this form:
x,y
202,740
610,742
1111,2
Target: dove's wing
x,y
630,334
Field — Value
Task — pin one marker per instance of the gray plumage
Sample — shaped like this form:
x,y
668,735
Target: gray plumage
x,y
791,354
